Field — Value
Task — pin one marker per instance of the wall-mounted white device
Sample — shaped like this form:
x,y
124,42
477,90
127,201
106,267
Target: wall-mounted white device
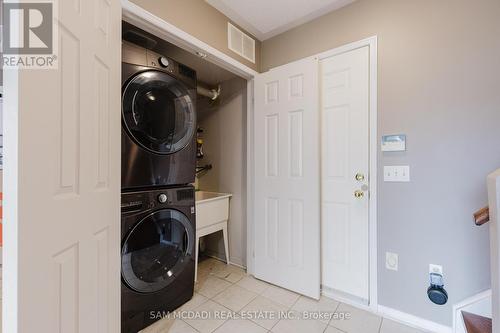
x,y
436,292
392,143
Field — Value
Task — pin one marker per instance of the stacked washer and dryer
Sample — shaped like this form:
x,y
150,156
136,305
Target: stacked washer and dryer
x,y
158,205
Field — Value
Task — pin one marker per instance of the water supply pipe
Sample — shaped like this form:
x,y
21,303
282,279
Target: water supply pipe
x,y
213,94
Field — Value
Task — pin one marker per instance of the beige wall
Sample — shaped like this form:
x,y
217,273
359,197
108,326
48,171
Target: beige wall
x,y
199,19
439,83
225,149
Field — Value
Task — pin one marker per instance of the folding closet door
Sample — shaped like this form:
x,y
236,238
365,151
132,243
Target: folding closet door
x,y
62,176
287,177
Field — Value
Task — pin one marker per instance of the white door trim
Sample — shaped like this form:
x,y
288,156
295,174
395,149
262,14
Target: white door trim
x,y
371,42
250,179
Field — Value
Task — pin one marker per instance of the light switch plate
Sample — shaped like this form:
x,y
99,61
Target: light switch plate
x,y
391,261
397,173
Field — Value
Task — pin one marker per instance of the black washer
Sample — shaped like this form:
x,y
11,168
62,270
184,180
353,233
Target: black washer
x,y
157,254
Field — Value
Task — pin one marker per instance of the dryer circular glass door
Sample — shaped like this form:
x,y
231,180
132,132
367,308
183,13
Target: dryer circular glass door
x,y
158,112
157,250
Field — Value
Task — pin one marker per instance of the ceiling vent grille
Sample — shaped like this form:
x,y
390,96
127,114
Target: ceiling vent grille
x,y
240,43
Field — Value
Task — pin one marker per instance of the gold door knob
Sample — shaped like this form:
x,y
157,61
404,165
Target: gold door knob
x,y
359,194
360,177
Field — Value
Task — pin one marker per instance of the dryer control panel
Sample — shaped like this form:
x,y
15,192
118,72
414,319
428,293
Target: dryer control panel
x,y
141,201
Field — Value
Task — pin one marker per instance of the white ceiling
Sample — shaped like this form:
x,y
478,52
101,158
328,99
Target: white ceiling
x,y
267,18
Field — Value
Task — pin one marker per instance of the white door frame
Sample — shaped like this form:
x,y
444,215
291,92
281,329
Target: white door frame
x,y
147,21
371,42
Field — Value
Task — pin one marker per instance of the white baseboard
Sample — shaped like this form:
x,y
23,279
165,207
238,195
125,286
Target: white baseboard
x,y
413,321
214,255
346,299
237,265
479,304
389,313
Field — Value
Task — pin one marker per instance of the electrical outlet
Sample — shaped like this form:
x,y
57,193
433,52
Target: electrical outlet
x,y
391,261
436,269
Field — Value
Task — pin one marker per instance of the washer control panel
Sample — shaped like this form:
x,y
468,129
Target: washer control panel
x,y
162,198
163,61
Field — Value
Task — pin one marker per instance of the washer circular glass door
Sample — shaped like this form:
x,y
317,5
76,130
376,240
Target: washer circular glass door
x,y
157,250
158,112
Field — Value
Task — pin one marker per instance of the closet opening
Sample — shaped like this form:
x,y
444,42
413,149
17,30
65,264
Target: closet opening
x,y
221,146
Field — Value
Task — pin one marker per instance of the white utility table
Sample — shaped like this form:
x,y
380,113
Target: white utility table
x,y
212,215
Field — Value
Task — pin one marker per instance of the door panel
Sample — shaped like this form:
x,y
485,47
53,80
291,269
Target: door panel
x,y
287,251
63,196
345,152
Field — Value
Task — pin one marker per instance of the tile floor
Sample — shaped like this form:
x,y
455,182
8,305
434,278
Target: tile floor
x,y
223,289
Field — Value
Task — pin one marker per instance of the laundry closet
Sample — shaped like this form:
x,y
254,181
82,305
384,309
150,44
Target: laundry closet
x,y
221,126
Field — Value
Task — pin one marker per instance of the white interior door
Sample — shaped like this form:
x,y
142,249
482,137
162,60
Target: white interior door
x,y
62,172
345,172
287,177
